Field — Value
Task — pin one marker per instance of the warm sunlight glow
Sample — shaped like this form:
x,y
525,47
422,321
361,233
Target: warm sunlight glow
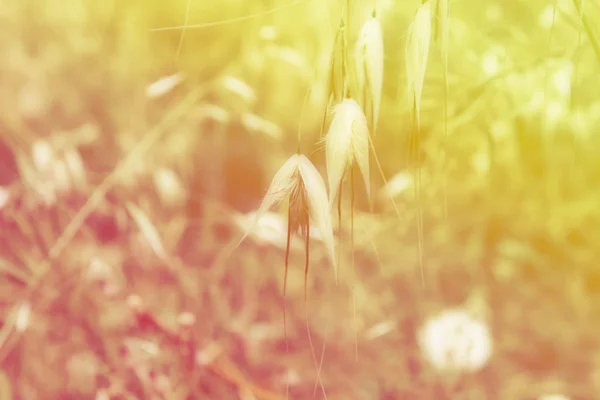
x,y
300,199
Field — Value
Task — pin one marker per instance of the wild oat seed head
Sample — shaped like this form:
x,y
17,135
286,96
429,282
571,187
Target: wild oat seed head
x,y
318,205
300,182
347,141
337,71
281,186
298,218
369,65
417,53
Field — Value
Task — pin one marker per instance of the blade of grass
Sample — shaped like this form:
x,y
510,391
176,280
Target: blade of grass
x,y
353,261
230,20
285,275
185,23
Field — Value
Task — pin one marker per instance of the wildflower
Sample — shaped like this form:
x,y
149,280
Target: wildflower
x,y
417,53
456,341
300,182
369,67
347,141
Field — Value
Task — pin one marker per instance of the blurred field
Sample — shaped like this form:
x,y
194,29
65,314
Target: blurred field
x,y
130,154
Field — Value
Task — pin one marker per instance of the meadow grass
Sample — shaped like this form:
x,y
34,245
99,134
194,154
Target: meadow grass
x,y
135,138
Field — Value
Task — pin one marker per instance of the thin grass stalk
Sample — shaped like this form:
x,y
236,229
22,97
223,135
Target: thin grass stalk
x,y
310,341
353,263
418,199
285,275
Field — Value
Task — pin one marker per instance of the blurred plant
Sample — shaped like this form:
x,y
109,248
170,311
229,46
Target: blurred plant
x,y
51,173
6,391
454,341
4,196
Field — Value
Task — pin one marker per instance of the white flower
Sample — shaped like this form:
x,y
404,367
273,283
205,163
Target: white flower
x,y
455,341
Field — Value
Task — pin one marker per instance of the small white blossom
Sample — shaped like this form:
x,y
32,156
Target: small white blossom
x,y
456,341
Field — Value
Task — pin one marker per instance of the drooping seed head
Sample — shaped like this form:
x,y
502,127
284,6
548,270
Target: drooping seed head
x,y
300,182
417,53
299,209
318,205
347,141
369,67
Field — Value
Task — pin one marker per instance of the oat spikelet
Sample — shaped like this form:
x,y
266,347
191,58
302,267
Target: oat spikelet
x,y
337,71
318,206
296,180
281,186
369,68
337,79
417,53
347,141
